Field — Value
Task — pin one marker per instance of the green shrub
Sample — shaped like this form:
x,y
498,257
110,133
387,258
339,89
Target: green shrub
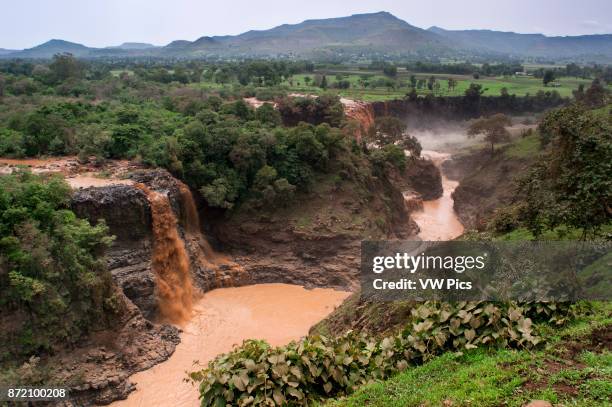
x,y
316,367
11,144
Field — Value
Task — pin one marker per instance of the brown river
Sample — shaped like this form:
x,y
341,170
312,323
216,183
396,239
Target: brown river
x,y
438,220
278,313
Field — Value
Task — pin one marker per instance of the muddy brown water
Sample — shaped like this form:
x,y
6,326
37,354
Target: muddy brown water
x,y
170,261
215,321
438,220
278,313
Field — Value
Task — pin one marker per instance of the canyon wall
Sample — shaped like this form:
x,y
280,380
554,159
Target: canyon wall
x,y
429,110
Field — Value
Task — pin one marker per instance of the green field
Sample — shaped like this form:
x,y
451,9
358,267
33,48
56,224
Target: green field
x,y
117,72
381,87
519,86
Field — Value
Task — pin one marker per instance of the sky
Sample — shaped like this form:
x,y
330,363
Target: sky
x,y
99,23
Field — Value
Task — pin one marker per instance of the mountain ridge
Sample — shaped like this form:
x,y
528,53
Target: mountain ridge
x,y
533,45
374,35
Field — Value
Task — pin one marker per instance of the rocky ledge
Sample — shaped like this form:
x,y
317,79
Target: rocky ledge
x,y
97,372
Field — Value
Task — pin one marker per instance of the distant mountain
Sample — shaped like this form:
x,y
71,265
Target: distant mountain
x,y
371,35
6,51
52,47
532,45
129,46
361,33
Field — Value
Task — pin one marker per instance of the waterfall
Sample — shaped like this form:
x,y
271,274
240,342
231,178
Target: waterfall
x,y
226,271
191,222
362,113
170,261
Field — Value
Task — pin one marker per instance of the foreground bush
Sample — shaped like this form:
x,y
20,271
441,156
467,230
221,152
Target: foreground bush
x,y
317,367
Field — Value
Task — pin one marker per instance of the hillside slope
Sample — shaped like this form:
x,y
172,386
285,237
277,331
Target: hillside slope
x,y
532,45
573,368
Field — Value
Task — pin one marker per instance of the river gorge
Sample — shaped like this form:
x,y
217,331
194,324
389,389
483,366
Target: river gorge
x,y
212,301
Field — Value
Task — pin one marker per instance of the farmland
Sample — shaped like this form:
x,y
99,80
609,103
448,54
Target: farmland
x,y
372,85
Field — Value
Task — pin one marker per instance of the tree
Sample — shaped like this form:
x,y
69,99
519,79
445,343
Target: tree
x,y
572,183
413,81
65,66
452,83
472,98
579,93
493,128
53,276
549,76
390,70
267,114
390,131
323,84
431,82
596,95
412,95
411,144
572,70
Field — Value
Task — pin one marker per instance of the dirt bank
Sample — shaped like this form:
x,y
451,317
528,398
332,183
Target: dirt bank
x,y
78,174
486,182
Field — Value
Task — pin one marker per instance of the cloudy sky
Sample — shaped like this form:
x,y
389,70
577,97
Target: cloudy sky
x,y
98,23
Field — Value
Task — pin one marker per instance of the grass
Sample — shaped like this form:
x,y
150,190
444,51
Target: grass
x,y
605,111
524,147
570,370
559,233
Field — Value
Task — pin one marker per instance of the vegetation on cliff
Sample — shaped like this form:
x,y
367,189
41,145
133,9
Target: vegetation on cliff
x,y
54,286
571,185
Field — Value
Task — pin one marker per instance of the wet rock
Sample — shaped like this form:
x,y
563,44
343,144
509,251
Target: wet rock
x,y
424,177
124,208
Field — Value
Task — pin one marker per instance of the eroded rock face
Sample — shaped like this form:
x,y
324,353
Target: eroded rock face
x,y
273,253
274,248
424,177
127,212
263,251
99,369
101,366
